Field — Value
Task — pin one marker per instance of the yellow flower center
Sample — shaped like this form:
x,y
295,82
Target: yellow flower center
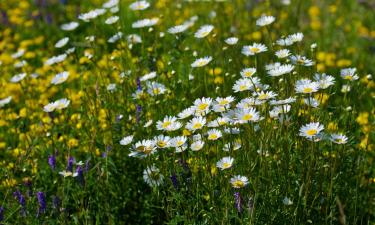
x,y
307,90
254,49
238,184
166,124
311,132
212,136
247,117
197,125
263,96
243,87
226,165
248,73
202,106
162,144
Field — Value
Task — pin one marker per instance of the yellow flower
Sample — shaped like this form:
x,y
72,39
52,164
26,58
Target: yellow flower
x,y
314,11
362,118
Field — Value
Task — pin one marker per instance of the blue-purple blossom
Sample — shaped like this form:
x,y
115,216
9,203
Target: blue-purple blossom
x,y
21,200
52,161
237,201
69,167
2,213
42,202
174,181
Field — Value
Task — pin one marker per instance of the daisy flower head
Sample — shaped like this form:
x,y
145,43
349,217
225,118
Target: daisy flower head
x,y
284,42
283,101
152,176
60,78
133,39
253,49
17,78
265,95
311,130
231,40
196,123
139,5
282,53
243,84
148,76
91,14
179,143
186,113
110,4
5,101
349,74
69,26
202,106
225,163
324,80
62,42
311,102
338,138
143,148
56,59
201,61
169,123
280,70
111,20
145,23
162,141
297,37
239,181
203,31
265,20
62,103
115,37
232,147
306,86
155,88
178,29
197,145
126,140
248,72
222,104
246,115
214,134
301,60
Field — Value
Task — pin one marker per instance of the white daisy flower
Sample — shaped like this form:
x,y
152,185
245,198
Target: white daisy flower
x,y
55,59
311,102
115,37
91,14
265,95
202,106
231,40
282,53
162,141
297,37
179,143
201,61
186,113
287,201
65,174
301,60
139,5
324,80
178,29
149,123
306,86
197,145
148,76
349,74
345,88
62,103
169,123
69,26
284,42
5,101
112,20
18,54
110,4
50,107
246,115
126,140
220,121
17,78
253,49
155,88
280,70
243,84
196,123
204,31
152,176
60,78
214,134
133,39
283,101
239,181
111,87
145,23
311,130
225,163
248,72
62,42
143,148
232,147
338,138
222,104
265,20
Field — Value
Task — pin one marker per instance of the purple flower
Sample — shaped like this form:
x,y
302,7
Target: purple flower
x,y
237,201
174,181
87,166
21,199
42,202
139,87
1,213
80,177
69,167
138,113
52,161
